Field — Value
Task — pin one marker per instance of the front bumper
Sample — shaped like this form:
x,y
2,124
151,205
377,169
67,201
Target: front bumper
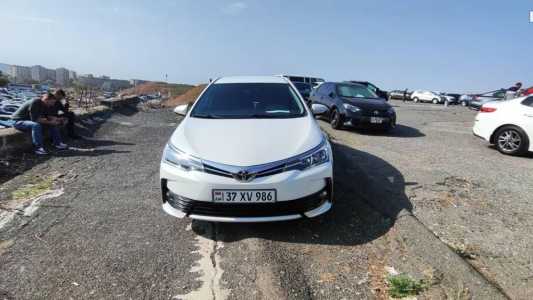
x,y
306,207
300,194
360,120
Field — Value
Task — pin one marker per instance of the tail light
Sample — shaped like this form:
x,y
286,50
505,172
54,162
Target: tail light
x,y
487,109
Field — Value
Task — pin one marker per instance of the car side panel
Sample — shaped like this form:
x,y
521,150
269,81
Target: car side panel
x,y
525,115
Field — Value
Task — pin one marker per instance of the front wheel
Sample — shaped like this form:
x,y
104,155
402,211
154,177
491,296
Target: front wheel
x,y
435,101
415,99
336,119
463,103
390,126
511,140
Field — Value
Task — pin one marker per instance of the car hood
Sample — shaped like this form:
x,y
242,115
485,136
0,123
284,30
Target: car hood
x,y
367,103
246,142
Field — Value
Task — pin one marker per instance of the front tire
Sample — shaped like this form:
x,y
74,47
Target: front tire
x,y
435,101
511,140
336,119
415,100
463,103
389,127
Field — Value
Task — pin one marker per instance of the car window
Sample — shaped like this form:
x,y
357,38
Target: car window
x,y
249,101
528,101
499,94
322,89
303,88
296,79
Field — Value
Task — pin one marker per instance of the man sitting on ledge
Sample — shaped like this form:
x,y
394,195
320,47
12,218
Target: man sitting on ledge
x,y
32,116
68,116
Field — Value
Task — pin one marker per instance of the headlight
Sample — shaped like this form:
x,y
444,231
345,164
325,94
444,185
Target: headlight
x,y
351,108
309,160
391,111
181,159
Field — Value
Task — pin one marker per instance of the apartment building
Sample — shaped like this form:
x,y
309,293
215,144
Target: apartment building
x,y
20,74
62,77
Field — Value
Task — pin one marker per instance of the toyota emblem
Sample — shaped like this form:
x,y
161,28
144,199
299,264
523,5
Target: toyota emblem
x,y
244,176
376,112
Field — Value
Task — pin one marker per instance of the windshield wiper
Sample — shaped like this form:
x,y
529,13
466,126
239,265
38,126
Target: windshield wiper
x,y
274,116
206,116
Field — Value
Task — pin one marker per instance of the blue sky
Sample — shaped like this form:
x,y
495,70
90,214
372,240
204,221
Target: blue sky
x,y
438,45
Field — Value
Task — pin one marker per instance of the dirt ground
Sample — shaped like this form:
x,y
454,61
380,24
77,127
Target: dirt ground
x,y
474,199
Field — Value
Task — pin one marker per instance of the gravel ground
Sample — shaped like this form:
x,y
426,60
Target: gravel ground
x,y
470,196
100,232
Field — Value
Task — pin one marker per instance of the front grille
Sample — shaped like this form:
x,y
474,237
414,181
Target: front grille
x,y
371,113
298,206
274,169
257,171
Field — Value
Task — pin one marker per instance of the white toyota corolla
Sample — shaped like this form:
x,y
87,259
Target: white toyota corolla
x,y
248,150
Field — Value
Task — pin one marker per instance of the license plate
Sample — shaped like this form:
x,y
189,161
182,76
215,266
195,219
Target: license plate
x,y
244,196
376,120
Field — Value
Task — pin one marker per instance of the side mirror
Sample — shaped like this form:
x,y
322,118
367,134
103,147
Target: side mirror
x,y
181,109
332,95
318,109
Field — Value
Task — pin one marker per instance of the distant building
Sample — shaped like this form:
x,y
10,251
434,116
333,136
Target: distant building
x,y
20,74
39,73
115,85
103,82
62,77
136,82
72,75
90,81
50,76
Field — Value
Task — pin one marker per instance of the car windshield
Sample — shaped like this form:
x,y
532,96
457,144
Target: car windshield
x,y
355,91
249,101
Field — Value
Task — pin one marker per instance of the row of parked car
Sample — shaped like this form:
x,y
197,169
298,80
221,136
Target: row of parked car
x,y
12,97
506,124
474,101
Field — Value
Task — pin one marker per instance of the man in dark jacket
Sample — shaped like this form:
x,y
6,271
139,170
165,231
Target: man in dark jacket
x,y
32,116
67,116
515,88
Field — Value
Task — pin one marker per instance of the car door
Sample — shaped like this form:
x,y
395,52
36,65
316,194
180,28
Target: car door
x,y
328,100
425,96
316,94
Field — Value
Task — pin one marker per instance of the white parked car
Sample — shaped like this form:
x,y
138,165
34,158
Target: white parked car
x,y
507,124
248,150
427,96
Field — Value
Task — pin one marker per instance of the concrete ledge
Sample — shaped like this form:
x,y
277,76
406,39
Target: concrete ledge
x,y
13,140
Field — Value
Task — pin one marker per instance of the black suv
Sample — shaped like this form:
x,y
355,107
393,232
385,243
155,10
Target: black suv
x,y
352,104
